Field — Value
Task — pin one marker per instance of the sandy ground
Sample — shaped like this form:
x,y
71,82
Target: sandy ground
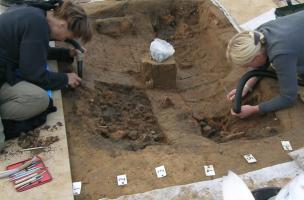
x,y
106,140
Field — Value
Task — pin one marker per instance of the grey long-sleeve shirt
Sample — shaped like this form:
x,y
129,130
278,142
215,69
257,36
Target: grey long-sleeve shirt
x,y
285,49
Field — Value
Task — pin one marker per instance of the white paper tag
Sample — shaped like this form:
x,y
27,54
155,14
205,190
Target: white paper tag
x,y
160,171
286,145
76,188
209,170
122,180
250,158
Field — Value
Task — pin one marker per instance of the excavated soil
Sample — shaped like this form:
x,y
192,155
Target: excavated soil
x,y
34,138
116,125
118,113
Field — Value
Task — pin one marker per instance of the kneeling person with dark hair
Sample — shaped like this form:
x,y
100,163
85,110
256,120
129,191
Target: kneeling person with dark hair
x,y
24,44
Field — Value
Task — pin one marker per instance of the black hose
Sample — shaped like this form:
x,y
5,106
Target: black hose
x,y
254,73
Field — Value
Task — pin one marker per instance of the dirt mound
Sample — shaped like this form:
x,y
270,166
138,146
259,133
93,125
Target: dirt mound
x,y
35,139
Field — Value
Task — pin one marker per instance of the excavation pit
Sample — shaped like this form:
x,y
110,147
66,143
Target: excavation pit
x,y
116,125
121,114
224,128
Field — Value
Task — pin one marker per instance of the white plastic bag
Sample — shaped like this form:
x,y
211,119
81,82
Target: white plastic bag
x,y
161,50
294,190
234,188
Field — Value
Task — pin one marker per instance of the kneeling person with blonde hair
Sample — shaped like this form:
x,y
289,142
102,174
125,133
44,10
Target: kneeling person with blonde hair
x,y
279,42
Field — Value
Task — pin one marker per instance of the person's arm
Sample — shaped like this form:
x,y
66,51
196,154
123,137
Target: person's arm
x,y
60,54
286,70
33,57
287,76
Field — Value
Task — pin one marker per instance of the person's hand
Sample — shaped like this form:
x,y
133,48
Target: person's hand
x,y
73,52
246,111
73,80
231,95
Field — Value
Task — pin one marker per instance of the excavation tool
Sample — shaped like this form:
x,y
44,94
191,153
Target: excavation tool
x,y
254,73
34,174
25,178
29,180
14,171
79,56
27,173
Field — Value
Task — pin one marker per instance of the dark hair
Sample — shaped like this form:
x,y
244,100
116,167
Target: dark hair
x,y
77,19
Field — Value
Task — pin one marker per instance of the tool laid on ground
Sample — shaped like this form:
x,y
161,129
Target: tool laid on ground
x,y
24,165
20,180
33,148
26,181
34,174
25,173
79,56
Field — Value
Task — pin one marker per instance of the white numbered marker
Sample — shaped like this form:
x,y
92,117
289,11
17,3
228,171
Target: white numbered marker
x,y
209,170
76,188
250,158
160,171
286,145
122,180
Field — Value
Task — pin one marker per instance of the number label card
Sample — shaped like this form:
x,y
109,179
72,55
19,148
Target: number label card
x,y
76,188
286,145
250,158
160,171
209,170
122,180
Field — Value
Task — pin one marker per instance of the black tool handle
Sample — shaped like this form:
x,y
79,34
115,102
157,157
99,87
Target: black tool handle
x,y
79,68
75,44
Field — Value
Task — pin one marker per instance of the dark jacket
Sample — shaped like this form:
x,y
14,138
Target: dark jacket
x,y
24,45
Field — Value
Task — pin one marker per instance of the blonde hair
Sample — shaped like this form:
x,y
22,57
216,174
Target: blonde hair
x,y
244,46
77,19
